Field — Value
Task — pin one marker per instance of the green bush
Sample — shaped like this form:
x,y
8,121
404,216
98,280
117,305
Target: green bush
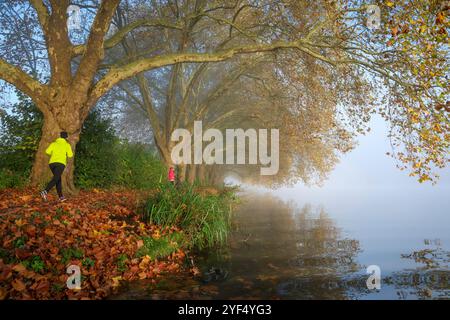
x,y
11,179
138,167
114,163
20,133
96,161
204,219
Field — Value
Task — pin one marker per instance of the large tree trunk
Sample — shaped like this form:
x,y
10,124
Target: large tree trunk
x,y
68,178
164,151
200,174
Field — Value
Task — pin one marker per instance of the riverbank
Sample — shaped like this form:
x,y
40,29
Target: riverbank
x,y
99,231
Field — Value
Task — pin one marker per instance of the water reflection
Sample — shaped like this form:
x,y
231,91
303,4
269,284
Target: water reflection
x,y
278,250
321,245
430,280
281,251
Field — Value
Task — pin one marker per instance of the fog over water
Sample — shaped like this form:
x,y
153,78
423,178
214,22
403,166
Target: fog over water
x,y
389,212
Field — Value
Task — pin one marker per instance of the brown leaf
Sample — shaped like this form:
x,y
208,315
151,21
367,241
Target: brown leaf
x,y
3,293
22,253
394,31
26,198
18,285
30,230
195,271
20,268
49,232
440,18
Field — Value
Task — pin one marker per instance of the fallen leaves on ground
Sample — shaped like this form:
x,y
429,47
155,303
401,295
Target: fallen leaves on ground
x,y
99,231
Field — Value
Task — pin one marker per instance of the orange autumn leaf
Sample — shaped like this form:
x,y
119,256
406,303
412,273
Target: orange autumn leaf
x,y
394,31
49,232
3,293
26,198
440,18
18,285
20,222
20,268
142,275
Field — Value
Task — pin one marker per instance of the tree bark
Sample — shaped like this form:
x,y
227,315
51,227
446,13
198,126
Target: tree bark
x,y
213,176
181,173
192,173
200,174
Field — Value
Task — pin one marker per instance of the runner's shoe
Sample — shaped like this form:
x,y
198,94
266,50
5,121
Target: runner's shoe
x,y
44,195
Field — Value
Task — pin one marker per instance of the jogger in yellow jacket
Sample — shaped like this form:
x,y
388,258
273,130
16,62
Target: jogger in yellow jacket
x,y
59,150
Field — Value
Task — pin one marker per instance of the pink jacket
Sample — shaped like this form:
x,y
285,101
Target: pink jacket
x,y
171,174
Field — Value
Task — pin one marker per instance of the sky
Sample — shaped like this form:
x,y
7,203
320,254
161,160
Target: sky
x,y
368,167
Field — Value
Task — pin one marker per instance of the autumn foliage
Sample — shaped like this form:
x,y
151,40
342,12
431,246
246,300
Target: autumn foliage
x,y
97,230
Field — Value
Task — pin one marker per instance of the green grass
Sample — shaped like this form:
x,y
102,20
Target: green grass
x,y
122,262
71,253
88,263
20,242
204,219
57,287
35,263
161,247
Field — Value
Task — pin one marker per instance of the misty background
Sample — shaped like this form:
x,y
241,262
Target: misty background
x,y
371,200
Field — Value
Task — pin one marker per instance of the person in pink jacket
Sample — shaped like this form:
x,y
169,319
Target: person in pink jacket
x,y
171,175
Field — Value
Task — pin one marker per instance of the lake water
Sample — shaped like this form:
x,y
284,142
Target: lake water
x,y
296,247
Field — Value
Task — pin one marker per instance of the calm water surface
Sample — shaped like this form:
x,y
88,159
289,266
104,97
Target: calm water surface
x,y
291,247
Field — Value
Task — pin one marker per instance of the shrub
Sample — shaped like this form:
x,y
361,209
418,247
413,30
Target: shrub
x,y
20,132
96,160
138,166
10,179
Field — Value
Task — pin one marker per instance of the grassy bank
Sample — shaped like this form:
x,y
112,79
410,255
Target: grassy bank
x,y
202,213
